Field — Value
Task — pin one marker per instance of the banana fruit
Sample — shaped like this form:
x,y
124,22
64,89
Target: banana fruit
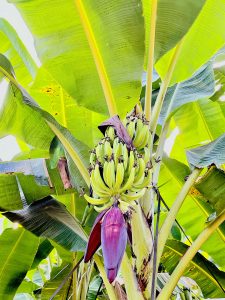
x,y
116,172
138,129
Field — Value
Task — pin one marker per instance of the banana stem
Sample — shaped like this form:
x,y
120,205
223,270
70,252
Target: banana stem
x,y
131,285
186,259
109,287
148,92
167,225
163,89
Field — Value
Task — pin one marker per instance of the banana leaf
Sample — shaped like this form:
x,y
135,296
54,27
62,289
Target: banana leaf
x,y
18,248
118,32
49,218
206,34
209,278
212,188
173,20
212,153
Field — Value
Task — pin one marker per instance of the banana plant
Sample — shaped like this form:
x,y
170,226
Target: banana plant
x,y
118,191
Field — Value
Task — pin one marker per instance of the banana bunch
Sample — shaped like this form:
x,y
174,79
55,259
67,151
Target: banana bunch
x,y
138,129
117,173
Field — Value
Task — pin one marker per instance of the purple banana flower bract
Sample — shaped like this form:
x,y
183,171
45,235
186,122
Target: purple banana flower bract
x,y
95,237
109,229
121,131
114,240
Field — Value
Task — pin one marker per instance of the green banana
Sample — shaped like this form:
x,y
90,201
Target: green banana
x,y
145,140
110,132
125,172
131,161
100,152
146,183
97,182
139,177
141,136
92,158
146,154
119,176
95,201
129,181
101,208
132,196
109,173
107,149
131,129
118,152
99,192
125,156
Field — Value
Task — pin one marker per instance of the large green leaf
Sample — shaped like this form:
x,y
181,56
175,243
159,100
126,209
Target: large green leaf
x,y
77,151
220,84
19,119
184,284
118,31
200,85
58,274
171,180
44,249
49,218
94,288
212,188
9,193
18,248
29,180
197,123
81,121
174,18
202,41
212,153
26,287
210,279
12,47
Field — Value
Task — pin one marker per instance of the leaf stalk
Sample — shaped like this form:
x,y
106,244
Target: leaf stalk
x,y
188,256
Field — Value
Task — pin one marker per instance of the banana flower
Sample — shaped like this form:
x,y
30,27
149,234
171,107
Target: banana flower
x,y
109,230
